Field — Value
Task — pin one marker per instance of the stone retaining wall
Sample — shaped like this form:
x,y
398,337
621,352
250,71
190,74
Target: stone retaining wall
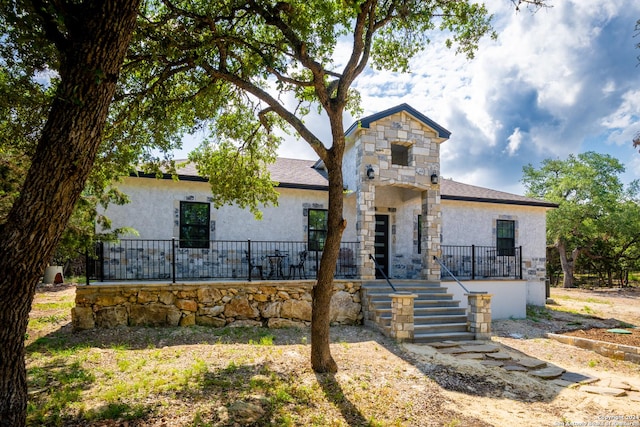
x,y
614,351
271,304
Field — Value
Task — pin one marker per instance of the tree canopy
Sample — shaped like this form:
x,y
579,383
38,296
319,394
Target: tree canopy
x,y
223,66
598,218
636,139
84,44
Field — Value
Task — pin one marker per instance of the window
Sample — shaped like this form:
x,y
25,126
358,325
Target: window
x,y
317,229
419,234
399,155
506,237
194,225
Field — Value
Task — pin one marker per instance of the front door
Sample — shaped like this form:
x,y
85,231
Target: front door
x,y
381,244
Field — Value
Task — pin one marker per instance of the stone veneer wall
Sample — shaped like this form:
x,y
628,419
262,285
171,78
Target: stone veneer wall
x,y
374,148
270,304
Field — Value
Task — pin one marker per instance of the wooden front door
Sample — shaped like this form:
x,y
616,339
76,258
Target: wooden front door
x,y
381,244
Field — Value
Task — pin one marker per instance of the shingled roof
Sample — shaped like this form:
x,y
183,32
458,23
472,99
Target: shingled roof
x,y
452,190
304,174
288,173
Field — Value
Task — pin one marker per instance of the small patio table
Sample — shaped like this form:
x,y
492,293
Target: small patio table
x,y
276,262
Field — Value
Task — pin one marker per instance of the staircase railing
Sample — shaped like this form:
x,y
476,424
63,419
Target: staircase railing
x,y
444,267
382,272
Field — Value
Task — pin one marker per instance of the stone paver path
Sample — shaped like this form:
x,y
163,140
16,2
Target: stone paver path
x,y
494,355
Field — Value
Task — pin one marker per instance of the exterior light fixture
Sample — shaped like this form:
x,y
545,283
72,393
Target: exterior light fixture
x,y
434,178
370,172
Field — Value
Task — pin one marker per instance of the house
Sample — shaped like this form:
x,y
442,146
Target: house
x,y
397,206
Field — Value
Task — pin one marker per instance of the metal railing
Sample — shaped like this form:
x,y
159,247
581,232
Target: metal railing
x,y
447,271
381,270
139,259
482,262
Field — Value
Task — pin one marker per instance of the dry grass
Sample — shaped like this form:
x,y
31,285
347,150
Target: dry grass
x,y
201,376
197,376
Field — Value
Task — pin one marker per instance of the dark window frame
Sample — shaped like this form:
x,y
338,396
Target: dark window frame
x,y
194,226
317,229
419,234
400,155
506,237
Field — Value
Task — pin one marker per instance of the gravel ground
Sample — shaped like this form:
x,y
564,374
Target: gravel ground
x,y
382,383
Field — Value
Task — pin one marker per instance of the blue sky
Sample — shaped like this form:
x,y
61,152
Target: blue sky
x,y
559,81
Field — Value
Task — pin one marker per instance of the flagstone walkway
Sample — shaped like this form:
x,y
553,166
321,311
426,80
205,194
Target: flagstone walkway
x,y
496,355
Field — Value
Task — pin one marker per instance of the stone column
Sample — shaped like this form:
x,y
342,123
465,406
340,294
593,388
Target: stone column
x,y
431,230
479,315
365,226
402,316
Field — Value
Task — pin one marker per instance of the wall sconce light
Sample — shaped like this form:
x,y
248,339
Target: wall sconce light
x,y
434,178
370,172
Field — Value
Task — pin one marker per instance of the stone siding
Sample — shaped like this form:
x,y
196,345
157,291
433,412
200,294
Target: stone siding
x,y
154,261
372,147
268,304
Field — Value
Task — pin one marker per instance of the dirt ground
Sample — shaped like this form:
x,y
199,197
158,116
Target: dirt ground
x,y
544,402
434,388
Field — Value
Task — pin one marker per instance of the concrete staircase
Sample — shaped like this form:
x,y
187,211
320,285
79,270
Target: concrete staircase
x,y
437,316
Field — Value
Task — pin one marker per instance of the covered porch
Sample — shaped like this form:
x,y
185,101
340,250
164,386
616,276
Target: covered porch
x,y
247,260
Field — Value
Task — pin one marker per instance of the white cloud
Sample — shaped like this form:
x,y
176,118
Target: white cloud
x,y
515,139
628,111
560,81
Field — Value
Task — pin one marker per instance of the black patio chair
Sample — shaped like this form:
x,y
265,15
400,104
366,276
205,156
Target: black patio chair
x,y
347,263
302,257
253,265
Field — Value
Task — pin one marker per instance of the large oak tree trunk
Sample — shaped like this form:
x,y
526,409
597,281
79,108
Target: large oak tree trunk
x,y
567,264
321,359
92,53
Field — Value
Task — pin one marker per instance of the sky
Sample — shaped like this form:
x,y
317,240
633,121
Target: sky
x,y
560,81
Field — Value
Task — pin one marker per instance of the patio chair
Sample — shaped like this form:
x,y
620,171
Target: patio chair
x,y
302,258
252,264
347,263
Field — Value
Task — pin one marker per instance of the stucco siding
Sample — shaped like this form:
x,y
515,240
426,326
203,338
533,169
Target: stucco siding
x,y
350,173
473,223
154,204
466,223
508,298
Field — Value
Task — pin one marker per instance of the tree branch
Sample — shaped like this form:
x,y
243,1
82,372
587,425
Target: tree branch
x,y
50,23
278,108
535,4
272,17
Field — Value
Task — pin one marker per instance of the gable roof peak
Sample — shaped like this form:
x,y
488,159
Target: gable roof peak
x,y
365,122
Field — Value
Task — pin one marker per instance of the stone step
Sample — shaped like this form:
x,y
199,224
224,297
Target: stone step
x,y
418,304
432,320
437,316
418,291
438,296
439,328
398,285
428,311
401,286
445,336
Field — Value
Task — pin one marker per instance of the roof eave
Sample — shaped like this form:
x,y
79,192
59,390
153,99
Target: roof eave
x,y
192,178
500,201
443,134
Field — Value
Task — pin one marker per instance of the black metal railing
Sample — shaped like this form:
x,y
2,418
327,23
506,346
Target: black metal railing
x,y
480,262
381,270
445,271
139,259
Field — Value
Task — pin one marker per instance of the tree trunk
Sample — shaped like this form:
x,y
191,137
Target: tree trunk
x,y
567,265
321,359
92,54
